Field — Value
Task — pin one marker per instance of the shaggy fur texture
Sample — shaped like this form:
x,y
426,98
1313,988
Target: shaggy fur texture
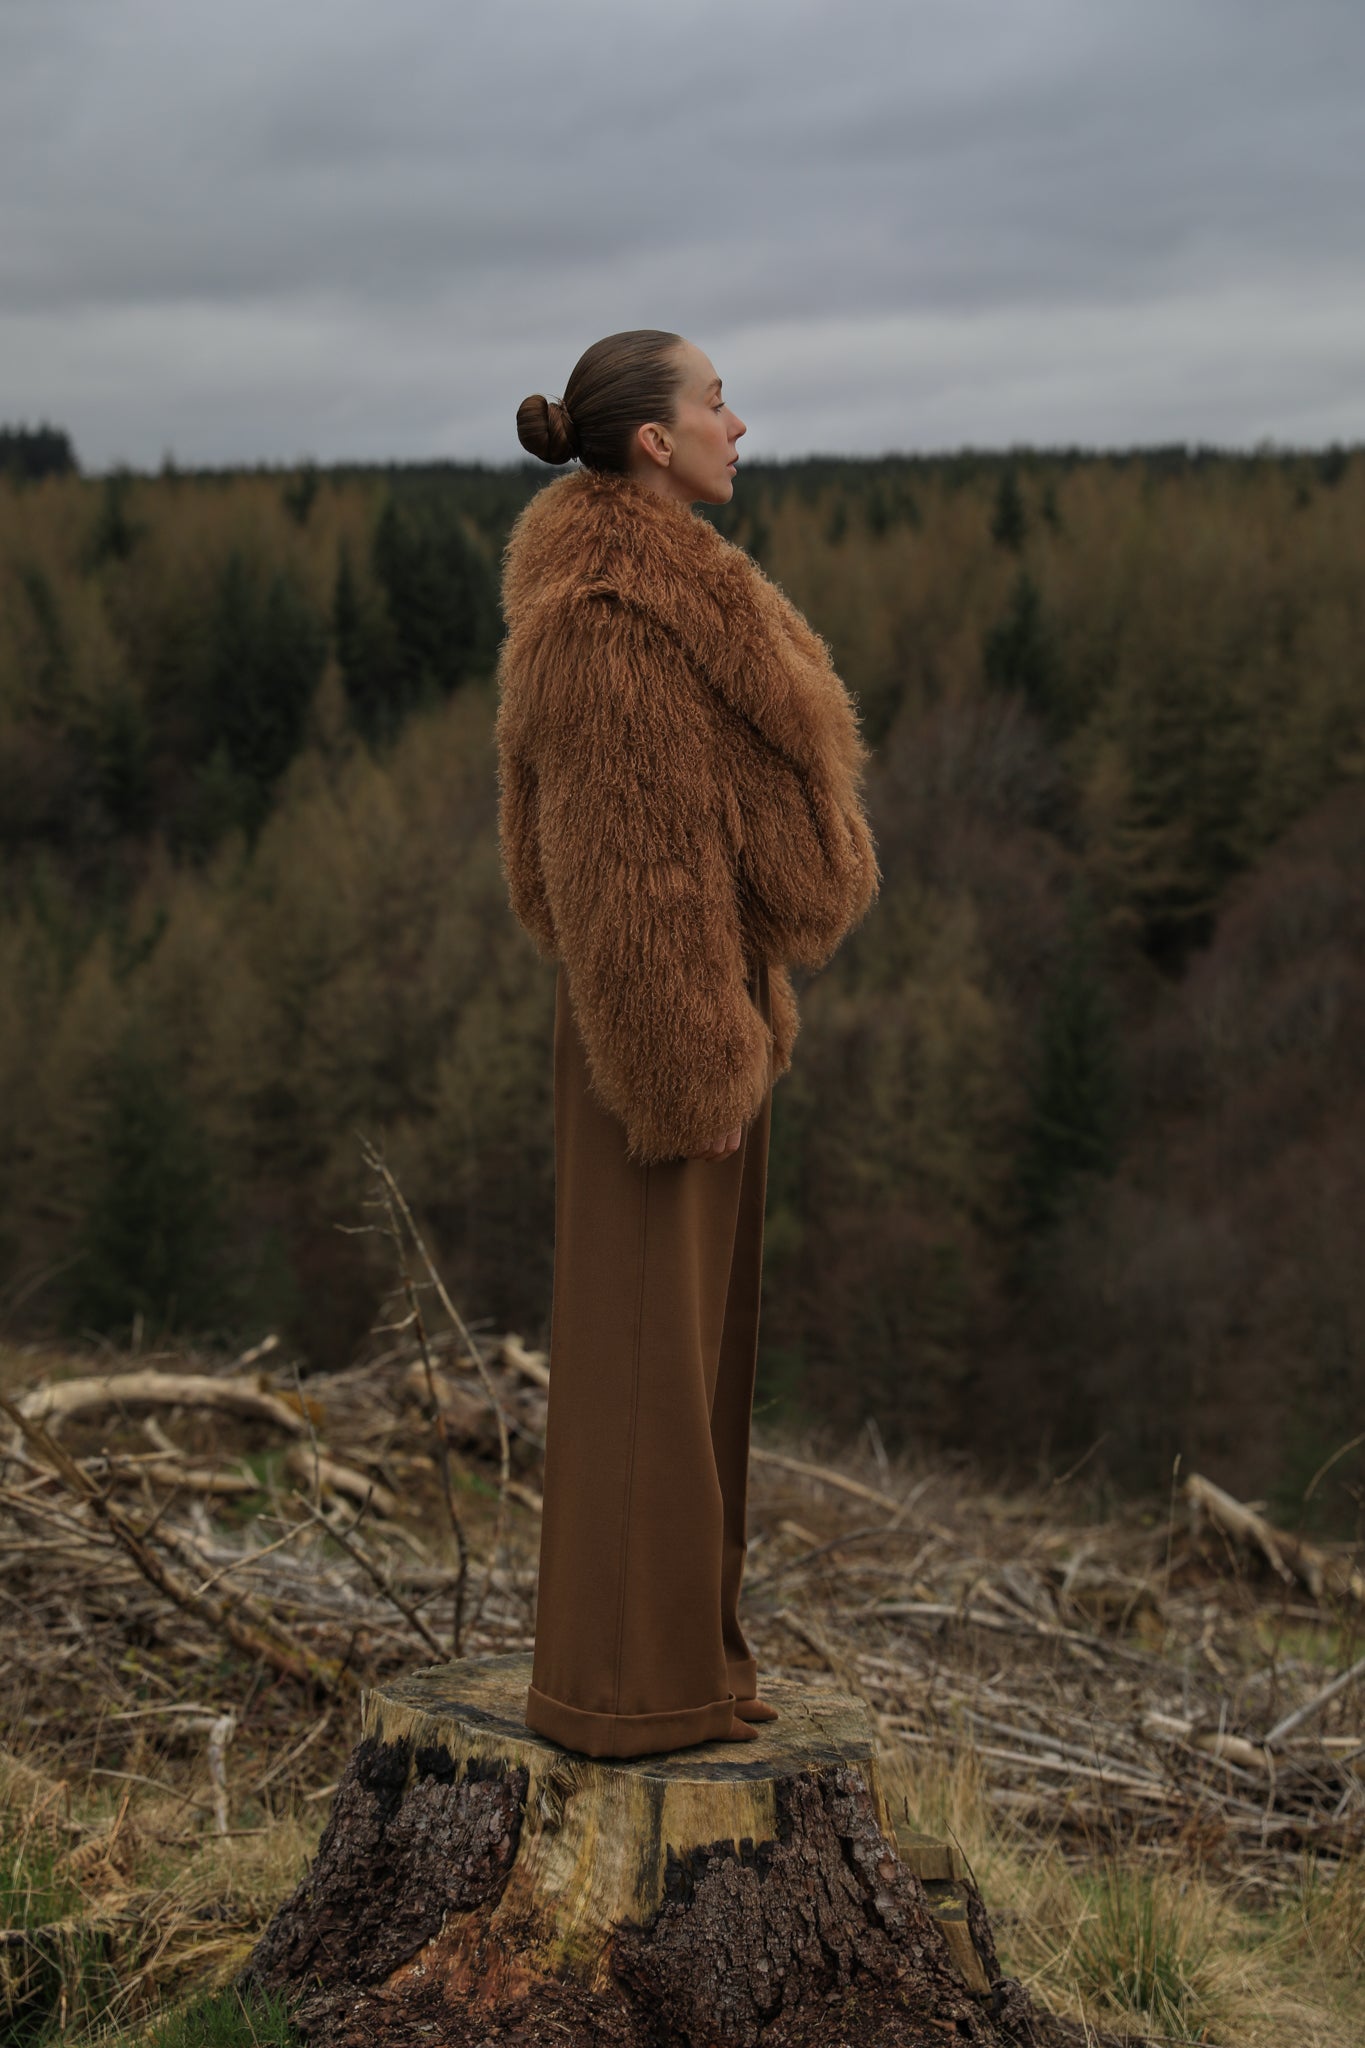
x,y
679,776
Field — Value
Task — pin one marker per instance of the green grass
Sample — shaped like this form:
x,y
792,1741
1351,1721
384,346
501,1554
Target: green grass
x,y
1140,1950
65,1970
226,2020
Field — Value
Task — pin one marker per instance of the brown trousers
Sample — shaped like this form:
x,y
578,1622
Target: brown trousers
x,y
653,1339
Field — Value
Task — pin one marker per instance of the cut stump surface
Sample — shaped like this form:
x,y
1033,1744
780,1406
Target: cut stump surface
x,y
476,1883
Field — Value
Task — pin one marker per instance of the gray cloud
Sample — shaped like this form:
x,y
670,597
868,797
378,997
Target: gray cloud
x,y
257,232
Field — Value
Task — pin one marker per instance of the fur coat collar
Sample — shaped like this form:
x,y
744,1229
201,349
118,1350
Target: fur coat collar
x,y
588,534
679,770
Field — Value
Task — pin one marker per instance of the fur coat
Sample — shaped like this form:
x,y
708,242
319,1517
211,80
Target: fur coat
x,y
679,774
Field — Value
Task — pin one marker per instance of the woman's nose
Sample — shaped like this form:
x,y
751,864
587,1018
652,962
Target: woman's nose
x,y
738,428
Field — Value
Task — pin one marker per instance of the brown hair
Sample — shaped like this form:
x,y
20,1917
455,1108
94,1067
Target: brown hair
x,y
617,384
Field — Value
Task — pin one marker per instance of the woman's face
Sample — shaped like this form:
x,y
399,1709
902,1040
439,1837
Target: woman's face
x,y
695,455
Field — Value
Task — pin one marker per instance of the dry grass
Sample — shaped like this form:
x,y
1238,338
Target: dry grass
x,y
1062,1694
1121,1939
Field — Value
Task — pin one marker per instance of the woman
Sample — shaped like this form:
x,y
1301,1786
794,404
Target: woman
x,y
680,821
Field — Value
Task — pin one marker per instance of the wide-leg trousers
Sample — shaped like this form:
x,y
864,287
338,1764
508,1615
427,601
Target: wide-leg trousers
x,y
653,1342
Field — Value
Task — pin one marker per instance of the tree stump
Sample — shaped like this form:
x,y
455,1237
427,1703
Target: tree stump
x,y
476,1883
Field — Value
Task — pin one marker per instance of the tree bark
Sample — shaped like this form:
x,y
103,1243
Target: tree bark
x,y
476,1883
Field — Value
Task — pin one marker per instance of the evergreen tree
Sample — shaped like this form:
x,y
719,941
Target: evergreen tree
x,y
1074,1092
1009,521
442,600
149,1242
758,539
50,669
32,452
265,657
877,511
300,492
1186,724
1020,653
366,655
122,747
1333,464
115,534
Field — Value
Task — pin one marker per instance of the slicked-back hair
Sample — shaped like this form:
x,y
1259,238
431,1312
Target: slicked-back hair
x,y
617,384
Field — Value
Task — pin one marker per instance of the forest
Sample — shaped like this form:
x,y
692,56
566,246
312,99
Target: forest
x,y
1071,1160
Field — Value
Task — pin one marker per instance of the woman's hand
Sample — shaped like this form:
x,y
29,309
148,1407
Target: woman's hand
x,y
723,1147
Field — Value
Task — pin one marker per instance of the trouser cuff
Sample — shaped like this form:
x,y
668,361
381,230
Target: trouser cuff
x,y
623,1735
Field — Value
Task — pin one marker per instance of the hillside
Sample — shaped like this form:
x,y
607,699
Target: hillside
x,y
1069,1158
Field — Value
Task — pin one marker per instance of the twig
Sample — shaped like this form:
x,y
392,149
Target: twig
x,y
220,1734
292,1756
246,1557
840,1481
379,1579
397,1216
1313,1706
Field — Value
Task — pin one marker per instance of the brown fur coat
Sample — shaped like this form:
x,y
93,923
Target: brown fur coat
x,y
679,797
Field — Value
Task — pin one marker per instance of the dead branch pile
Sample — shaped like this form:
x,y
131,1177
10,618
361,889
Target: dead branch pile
x,y
1140,1680
1191,1679
153,1500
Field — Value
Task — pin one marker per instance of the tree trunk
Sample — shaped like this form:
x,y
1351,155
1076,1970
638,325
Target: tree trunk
x,y
476,1883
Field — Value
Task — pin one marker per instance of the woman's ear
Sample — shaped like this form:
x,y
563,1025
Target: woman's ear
x,y
653,440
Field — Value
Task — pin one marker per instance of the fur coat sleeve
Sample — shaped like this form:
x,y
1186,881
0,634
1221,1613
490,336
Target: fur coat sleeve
x,y
679,798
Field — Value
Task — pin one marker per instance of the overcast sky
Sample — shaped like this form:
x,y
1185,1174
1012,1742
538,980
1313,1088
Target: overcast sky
x,y
367,228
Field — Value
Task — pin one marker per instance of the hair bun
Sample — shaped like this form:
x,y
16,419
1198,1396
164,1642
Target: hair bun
x,y
544,429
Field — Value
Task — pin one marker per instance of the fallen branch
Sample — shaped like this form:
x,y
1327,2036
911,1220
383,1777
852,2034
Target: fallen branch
x,y
162,1471
465,1413
1216,1742
1289,1557
1011,1621
311,1468
132,1391
532,1365
826,1477
240,1619
1313,1706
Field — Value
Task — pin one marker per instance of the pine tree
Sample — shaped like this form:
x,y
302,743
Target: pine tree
x,y
441,597
122,747
49,665
299,494
266,652
1020,653
115,533
367,655
1074,1094
149,1242
877,511
1009,521
33,452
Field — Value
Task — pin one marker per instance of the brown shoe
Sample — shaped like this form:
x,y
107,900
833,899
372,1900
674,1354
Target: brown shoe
x,y
740,1731
755,1710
